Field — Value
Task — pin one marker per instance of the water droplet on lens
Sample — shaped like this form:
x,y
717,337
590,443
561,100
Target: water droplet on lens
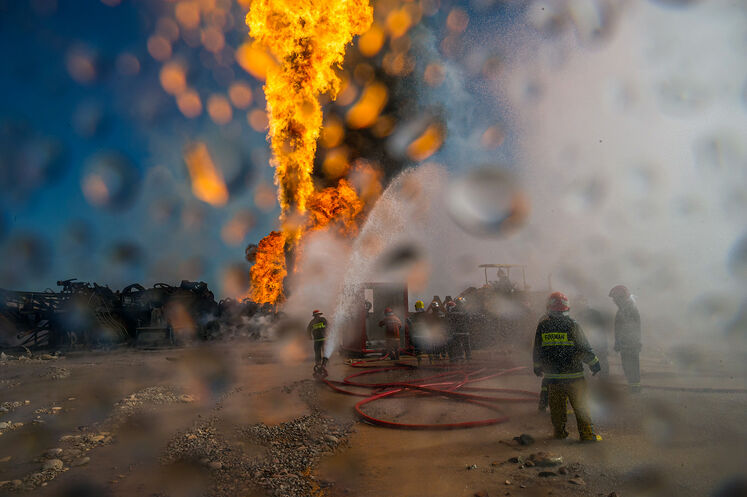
x,y
25,255
110,180
251,253
735,487
738,258
399,257
487,202
78,238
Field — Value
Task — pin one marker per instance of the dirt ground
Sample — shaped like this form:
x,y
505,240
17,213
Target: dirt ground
x,y
235,419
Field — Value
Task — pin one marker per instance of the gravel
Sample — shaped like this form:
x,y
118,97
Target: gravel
x,y
289,451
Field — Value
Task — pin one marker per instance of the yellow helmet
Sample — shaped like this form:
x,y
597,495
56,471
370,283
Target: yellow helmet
x,y
419,305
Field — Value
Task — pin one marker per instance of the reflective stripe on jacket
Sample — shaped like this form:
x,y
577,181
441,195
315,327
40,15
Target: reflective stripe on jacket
x,y
561,348
317,328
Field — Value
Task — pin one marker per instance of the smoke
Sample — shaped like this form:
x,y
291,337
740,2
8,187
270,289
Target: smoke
x,y
628,149
399,219
627,152
320,266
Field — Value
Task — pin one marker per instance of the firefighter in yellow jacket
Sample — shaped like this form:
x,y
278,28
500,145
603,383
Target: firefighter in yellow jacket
x,y
560,347
317,330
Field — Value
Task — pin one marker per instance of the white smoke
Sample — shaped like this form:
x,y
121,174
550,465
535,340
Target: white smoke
x,y
630,150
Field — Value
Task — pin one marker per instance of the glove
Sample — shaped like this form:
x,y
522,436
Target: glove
x,y
595,368
537,370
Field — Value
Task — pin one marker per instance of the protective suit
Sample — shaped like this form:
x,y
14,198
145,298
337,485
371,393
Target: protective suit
x,y
560,350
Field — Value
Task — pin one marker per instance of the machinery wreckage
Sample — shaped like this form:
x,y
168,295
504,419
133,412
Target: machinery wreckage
x,y
88,314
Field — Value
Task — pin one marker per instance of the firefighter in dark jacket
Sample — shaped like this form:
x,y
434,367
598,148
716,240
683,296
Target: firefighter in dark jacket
x,y
392,326
458,333
560,347
317,330
628,335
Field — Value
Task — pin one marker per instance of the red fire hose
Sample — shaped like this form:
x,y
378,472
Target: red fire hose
x,y
442,384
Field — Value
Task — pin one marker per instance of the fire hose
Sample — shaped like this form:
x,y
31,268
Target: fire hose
x,y
448,382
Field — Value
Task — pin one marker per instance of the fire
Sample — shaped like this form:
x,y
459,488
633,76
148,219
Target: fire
x,y
339,205
307,38
269,270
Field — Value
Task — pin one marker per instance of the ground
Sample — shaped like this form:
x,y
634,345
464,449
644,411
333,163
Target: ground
x,y
242,418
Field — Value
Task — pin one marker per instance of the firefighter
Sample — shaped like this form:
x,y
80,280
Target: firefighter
x,y
463,331
456,319
504,284
416,325
559,349
392,326
317,330
628,335
435,308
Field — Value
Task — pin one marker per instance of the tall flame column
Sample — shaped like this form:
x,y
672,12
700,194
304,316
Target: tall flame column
x,y
308,39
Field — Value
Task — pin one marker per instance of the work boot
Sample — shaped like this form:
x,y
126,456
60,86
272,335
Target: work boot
x,y
560,434
593,438
544,400
635,388
320,372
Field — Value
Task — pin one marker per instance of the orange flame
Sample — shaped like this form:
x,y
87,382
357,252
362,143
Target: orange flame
x,y
308,39
339,205
269,270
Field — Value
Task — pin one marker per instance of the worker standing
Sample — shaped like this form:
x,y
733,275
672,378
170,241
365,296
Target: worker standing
x,y
560,347
392,326
456,318
317,330
628,335
417,327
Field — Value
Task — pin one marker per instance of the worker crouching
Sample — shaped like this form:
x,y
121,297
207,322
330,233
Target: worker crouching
x,y
317,330
560,347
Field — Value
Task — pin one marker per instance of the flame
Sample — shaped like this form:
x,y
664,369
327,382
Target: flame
x,y
307,38
268,271
338,204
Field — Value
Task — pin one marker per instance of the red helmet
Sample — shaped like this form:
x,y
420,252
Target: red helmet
x,y
557,302
388,311
620,292
316,312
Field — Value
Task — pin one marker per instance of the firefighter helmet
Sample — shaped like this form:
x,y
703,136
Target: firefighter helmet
x,y
557,302
388,311
316,312
419,305
620,292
